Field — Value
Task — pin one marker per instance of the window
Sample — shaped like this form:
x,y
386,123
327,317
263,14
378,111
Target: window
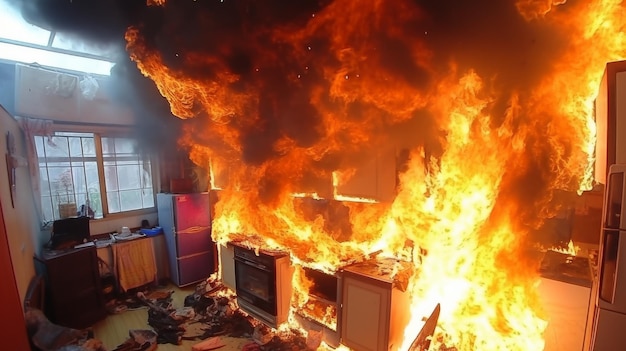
x,y
23,42
128,177
92,174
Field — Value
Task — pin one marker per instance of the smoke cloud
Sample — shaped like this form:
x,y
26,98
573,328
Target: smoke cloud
x,y
284,62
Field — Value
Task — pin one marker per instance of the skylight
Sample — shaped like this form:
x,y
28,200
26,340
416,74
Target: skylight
x,y
23,42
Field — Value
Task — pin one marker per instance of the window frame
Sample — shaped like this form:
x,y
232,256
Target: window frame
x,y
110,131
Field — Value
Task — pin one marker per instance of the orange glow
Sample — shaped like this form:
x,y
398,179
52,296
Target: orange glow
x,y
571,249
485,154
155,2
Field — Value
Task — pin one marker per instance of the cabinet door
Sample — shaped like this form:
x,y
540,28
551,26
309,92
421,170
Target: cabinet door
x,y
365,315
374,179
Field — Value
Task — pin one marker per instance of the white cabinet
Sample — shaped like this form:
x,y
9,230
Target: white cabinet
x,y
375,307
227,265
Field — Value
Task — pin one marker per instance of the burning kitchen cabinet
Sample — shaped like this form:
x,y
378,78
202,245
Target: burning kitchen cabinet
x,y
321,312
376,304
374,180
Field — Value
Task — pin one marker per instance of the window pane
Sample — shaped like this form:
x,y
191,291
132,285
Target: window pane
x,y
70,175
58,147
108,146
73,134
47,209
39,146
130,200
89,147
128,173
95,202
91,176
16,28
60,183
113,200
76,147
67,42
80,187
129,177
124,147
26,55
44,184
80,200
110,176
146,175
148,198
67,176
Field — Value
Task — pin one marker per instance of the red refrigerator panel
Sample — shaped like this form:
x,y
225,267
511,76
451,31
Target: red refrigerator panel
x,y
194,240
192,210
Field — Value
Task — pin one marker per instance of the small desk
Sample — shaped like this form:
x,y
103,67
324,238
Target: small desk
x,y
73,293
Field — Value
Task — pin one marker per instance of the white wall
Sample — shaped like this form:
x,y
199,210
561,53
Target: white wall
x,y
22,224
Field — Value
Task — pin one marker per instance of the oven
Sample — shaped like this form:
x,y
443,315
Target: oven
x,y
322,310
263,284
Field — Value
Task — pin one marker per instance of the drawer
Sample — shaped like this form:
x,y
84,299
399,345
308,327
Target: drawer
x,y
194,268
193,241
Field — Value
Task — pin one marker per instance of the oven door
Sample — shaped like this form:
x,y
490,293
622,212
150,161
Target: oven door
x,y
256,285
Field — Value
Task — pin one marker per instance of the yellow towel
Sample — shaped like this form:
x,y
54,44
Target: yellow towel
x,y
134,263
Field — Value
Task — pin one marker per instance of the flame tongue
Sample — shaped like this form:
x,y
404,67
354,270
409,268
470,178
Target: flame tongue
x,y
493,127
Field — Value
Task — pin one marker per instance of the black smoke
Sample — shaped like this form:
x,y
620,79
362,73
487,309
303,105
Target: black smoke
x,y
488,36
510,53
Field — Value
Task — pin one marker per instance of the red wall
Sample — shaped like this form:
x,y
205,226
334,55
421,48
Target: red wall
x,y
12,327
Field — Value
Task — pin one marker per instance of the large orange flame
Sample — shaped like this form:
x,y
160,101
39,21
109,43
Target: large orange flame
x,y
485,155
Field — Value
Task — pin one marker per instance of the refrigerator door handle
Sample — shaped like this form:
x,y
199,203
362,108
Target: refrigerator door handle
x,y
610,260
194,230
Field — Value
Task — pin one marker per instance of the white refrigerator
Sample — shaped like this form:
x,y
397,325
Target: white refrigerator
x,y
609,324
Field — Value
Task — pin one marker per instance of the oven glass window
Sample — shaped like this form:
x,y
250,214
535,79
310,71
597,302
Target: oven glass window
x,y
253,281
